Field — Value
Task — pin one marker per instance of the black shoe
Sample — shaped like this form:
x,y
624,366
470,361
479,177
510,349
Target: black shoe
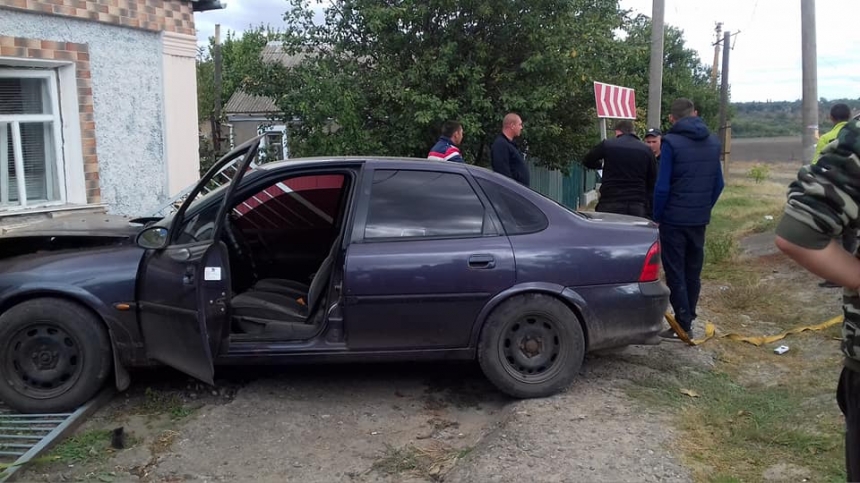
x,y
828,284
669,334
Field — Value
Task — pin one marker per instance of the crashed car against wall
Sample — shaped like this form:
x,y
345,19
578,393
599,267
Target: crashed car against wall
x,y
325,260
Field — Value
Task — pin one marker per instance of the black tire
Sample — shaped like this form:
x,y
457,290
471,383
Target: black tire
x,y
54,356
531,346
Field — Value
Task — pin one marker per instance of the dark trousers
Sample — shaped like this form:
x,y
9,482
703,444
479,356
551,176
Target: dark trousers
x,y
632,208
848,397
683,253
849,240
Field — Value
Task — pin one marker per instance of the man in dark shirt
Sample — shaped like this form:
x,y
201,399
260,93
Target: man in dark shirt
x,y
653,138
629,172
505,156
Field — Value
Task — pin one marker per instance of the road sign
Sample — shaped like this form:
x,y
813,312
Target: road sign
x,y
614,102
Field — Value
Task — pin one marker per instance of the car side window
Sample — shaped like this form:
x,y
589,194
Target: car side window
x,y
422,204
519,216
201,226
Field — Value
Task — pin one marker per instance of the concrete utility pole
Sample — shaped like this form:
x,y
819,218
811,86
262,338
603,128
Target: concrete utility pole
x,y
216,116
714,66
810,78
655,77
725,126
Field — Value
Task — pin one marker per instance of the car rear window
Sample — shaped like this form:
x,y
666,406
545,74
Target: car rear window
x,y
519,216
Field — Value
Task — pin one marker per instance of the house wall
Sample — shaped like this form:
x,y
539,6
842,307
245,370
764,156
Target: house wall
x,y
244,130
127,98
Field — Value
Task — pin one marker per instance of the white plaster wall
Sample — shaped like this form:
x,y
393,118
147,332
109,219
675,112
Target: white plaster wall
x,y
126,67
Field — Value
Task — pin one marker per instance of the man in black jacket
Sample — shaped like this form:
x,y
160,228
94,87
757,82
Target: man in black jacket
x,y
629,172
505,156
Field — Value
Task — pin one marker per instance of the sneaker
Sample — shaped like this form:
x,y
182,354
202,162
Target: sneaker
x,y
669,334
672,335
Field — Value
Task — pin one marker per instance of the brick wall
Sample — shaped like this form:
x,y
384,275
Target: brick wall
x,y
79,54
154,15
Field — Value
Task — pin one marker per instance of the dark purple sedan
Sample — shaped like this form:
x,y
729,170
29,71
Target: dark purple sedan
x,y
325,260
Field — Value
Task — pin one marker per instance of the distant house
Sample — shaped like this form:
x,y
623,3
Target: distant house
x,y
249,115
97,105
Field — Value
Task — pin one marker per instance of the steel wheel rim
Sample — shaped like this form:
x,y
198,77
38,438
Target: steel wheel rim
x,y
533,348
43,360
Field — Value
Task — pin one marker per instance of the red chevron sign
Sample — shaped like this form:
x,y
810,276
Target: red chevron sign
x,y
614,102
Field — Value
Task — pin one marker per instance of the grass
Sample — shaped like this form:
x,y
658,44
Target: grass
x,y
163,402
87,447
735,432
755,409
431,461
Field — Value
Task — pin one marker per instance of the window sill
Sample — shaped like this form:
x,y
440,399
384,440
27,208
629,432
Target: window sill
x,y
47,208
13,218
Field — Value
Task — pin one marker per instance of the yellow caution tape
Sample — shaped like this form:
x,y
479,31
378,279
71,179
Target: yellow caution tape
x,y
711,330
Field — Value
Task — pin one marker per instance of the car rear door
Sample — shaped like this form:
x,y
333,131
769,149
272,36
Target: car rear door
x,y
183,288
427,254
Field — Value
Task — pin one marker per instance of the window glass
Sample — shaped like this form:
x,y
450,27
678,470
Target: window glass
x,y
518,215
422,204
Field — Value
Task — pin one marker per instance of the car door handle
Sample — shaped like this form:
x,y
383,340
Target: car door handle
x,y
482,261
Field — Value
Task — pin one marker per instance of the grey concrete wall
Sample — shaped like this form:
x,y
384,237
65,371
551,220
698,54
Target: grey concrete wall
x,y
244,130
126,67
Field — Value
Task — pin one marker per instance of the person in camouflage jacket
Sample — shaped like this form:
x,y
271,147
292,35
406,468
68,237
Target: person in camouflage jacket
x,y
822,203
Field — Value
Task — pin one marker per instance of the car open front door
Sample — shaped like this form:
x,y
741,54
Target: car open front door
x,y
184,286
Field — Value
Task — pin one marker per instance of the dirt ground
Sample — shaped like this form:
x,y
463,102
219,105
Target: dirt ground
x,y
444,422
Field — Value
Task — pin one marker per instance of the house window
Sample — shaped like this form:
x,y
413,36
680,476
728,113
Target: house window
x,y
31,167
273,146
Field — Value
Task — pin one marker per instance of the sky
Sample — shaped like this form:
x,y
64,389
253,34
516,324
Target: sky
x,y
765,62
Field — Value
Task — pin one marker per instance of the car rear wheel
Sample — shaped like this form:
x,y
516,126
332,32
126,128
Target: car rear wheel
x,y
531,346
54,356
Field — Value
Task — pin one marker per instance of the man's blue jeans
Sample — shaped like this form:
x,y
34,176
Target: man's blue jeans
x,y
683,253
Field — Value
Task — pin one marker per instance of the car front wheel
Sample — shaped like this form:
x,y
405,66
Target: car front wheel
x,y
54,356
531,346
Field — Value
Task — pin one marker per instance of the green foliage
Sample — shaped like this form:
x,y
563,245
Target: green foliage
x,y
781,118
758,173
380,77
240,57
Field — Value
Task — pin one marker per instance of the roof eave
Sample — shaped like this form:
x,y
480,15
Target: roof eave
x,y
204,5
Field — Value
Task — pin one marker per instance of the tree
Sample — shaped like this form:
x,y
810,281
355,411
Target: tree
x,y
684,74
380,76
240,58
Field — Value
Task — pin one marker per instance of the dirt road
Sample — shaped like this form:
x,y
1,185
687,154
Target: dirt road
x,y
385,423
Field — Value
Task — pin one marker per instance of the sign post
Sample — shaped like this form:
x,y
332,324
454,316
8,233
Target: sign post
x,y
613,102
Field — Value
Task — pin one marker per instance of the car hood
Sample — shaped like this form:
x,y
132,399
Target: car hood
x,y
86,226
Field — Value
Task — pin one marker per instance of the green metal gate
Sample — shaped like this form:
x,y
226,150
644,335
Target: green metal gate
x,y
567,189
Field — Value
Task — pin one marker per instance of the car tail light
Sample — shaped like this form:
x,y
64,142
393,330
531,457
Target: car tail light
x,y
651,268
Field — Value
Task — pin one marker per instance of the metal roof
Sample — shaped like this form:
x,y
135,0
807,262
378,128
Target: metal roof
x,y
243,103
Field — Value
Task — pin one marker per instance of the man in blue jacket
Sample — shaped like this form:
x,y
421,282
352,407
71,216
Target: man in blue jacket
x,y
689,182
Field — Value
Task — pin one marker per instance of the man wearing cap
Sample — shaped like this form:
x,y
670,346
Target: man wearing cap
x,y
629,172
653,138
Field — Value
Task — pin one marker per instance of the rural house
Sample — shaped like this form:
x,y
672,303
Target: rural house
x,y
98,106
248,115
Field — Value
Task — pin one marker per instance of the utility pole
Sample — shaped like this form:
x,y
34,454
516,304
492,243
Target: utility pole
x,y
655,77
725,126
810,78
216,116
714,68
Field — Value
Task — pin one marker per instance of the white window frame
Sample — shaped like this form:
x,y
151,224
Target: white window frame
x,y
276,128
53,171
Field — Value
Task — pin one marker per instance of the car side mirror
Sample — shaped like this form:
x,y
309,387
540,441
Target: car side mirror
x,y
154,237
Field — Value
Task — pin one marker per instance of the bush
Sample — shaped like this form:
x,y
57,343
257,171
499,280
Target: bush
x,y
758,173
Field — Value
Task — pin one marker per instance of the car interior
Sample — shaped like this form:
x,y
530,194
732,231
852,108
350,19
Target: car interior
x,y
283,243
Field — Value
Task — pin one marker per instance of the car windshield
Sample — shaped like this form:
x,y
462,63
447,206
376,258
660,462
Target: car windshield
x,y
213,188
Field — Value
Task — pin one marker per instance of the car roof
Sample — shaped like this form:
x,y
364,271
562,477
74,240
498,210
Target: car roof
x,y
395,161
